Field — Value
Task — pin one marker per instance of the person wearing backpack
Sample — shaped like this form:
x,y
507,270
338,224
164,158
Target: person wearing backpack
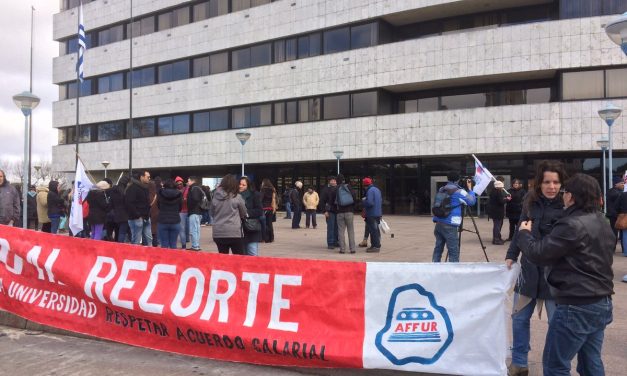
x,y
195,199
447,216
345,203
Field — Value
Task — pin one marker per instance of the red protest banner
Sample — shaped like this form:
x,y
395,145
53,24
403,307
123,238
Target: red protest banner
x,y
303,313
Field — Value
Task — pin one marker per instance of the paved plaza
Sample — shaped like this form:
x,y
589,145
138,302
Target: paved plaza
x,y
412,241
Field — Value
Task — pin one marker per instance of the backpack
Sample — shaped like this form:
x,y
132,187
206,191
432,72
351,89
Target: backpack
x,y
442,206
344,196
205,204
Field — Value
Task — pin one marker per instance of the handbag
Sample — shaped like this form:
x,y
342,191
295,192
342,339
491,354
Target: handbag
x,y
384,227
621,222
251,224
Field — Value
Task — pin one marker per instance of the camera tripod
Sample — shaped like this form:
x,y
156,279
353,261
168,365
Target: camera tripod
x,y
475,231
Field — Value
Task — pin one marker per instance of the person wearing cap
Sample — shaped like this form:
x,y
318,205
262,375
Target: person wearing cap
x,y
184,234
613,197
311,200
373,205
296,200
496,210
99,204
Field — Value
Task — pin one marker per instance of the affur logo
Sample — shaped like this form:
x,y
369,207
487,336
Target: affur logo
x,y
417,329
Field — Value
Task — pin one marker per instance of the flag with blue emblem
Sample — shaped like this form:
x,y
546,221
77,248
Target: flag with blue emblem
x,y
82,46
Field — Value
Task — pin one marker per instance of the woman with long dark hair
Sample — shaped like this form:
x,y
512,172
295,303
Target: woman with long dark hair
x,y
543,205
169,204
228,210
254,211
513,209
269,205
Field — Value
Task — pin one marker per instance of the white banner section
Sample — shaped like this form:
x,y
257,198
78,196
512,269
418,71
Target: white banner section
x,y
444,318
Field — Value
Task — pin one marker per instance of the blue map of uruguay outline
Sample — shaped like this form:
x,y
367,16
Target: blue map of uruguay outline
x,y
388,324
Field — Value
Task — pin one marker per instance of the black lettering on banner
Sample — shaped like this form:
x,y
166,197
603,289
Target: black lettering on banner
x,y
137,323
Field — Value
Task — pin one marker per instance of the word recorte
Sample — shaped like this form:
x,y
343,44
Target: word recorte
x,y
186,303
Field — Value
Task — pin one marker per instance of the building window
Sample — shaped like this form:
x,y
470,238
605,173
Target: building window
x,y
141,27
616,83
279,113
180,16
116,81
240,59
111,131
180,70
279,51
143,127
180,124
291,112
452,102
142,77
164,126
218,7
164,21
291,49
219,62
364,35
62,136
245,4
201,66
84,133
364,104
201,122
582,85
309,109
261,55
219,119
309,45
260,115
336,40
336,106
240,117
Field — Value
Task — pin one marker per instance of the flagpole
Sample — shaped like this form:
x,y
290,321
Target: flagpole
x,y
130,99
78,83
30,118
78,158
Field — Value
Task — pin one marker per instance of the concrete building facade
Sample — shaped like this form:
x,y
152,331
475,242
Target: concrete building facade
x,y
406,89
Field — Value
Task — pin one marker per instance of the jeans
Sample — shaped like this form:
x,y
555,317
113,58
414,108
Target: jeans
x,y
140,228
252,249
122,231
96,231
184,233
521,329
194,230
367,231
310,218
446,234
624,242
332,233
288,210
345,222
513,222
298,212
372,223
206,218
497,225
168,232
577,329
54,225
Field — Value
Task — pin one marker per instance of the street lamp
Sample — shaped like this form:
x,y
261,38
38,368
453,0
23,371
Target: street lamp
x,y
603,143
105,164
609,114
38,169
338,154
25,101
617,32
242,136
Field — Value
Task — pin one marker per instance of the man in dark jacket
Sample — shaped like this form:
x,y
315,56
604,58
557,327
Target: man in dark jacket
x,y
32,208
138,207
577,255
120,213
296,201
613,197
373,206
9,202
194,212
327,199
56,206
496,210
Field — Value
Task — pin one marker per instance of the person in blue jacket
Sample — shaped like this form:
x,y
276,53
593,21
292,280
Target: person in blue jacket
x,y
446,228
373,203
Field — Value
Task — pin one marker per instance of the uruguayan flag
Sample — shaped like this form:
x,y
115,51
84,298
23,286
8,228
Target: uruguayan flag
x,y
82,46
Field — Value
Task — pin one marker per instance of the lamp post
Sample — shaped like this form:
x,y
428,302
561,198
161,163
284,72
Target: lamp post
x,y
617,32
105,164
610,113
338,154
603,143
26,101
242,136
38,169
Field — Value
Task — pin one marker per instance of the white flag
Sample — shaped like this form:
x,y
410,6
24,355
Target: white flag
x,y
483,177
82,185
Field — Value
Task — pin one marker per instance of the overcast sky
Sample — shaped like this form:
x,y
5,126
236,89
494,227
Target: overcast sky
x,y
15,24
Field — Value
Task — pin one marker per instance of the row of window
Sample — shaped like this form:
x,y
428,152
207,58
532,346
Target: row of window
x,y
594,84
299,47
328,107
171,18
